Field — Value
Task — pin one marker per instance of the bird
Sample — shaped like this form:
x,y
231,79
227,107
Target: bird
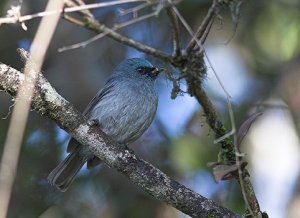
x,y
123,109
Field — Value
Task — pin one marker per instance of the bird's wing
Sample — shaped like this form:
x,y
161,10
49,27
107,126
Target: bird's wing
x,y
108,87
103,92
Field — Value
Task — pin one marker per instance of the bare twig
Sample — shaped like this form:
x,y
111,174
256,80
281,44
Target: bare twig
x,y
9,111
73,20
100,5
94,25
16,17
203,26
136,9
99,36
82,3
175,30
18,121
206,32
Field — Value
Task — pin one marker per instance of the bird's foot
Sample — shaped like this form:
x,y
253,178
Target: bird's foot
x,y
93,122
129,149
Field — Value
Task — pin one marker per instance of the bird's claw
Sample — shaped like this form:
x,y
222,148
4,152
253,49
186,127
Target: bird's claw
x,y
129,149
93,122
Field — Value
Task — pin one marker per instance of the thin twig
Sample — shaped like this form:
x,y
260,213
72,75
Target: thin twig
x,y
206,32
9,111
73,20
136,9
190,31
94,25
101,35
175,30
201,29
12,146
81,2
21,19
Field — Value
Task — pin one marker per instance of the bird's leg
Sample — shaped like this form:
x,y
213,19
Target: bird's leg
x,y
93,122
129,149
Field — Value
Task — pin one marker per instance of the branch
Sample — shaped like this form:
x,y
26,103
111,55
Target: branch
x,y
102,34
175,30
14,14
203,26
228,152
49,103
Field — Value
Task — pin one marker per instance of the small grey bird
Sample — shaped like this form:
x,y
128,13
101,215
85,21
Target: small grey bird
x,y
123,109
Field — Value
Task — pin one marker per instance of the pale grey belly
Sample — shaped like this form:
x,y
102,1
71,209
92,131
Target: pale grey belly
x,y
125,121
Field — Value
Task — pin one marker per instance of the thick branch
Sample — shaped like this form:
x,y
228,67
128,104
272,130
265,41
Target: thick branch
x,y
49,103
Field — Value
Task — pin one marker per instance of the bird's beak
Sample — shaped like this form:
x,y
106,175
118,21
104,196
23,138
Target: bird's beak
x,y
155,71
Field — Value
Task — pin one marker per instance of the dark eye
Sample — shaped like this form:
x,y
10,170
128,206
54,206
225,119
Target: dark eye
x,y
141,69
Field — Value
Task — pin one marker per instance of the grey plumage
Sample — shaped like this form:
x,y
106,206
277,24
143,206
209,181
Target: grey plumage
x,y
124,109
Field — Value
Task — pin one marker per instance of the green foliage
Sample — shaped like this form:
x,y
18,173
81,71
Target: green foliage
x,y
189,154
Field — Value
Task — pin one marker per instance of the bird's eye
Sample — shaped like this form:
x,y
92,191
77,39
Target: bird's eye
x,y
141,70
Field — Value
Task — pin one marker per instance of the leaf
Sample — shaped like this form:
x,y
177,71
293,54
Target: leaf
x,y
224,172
243,130
227,172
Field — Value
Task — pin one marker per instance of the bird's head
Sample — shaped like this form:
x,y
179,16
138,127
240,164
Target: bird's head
x,y
137,68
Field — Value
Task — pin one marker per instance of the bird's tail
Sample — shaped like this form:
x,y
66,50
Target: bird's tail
x,y
63,175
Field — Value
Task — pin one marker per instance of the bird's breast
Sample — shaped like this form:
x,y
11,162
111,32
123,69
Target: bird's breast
x,y
125,114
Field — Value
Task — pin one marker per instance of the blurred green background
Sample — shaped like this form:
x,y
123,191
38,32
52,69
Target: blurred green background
x,y
259,67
